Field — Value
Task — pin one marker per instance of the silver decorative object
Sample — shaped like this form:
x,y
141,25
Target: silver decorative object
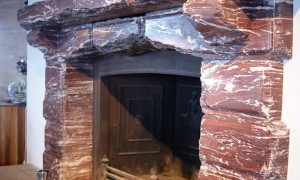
x,y
22,65
42,174
17,92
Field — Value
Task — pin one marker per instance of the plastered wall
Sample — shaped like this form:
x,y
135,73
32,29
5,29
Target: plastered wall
x,y
12,44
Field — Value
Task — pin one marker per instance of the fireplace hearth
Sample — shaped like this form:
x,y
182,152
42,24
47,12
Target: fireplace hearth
x,y
149,114
93,49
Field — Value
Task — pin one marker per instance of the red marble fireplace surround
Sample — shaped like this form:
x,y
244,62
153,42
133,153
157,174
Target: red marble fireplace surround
x,y
242,43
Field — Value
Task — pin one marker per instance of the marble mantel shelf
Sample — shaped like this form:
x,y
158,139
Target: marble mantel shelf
x,y
240,28
68,12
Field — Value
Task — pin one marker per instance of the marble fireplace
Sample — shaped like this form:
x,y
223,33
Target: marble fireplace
x,y
240,45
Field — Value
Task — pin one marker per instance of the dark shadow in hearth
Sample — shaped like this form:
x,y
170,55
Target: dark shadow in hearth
x,y
149,108
259,10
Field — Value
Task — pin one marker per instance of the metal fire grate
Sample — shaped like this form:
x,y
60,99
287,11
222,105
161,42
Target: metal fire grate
x,y
111,173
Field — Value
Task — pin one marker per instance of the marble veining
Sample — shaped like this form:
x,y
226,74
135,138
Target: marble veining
x,y
242,44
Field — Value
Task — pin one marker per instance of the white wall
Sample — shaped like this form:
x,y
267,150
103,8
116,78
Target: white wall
x,y
35,122
291,99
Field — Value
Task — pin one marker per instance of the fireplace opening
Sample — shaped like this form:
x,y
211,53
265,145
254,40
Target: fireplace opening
x,y
147,114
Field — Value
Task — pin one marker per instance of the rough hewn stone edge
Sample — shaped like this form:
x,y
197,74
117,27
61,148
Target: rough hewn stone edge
x,y
66,13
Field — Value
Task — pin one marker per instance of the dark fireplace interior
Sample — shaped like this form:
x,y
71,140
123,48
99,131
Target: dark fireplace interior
x,y
147,109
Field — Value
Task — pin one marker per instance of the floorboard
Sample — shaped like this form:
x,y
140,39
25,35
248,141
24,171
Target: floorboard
x,y
18,172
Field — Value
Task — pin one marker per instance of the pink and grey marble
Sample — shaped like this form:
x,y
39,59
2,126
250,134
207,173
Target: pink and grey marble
x,y
248,143
223,27
68,108
242,43
74,12
248,86
226,22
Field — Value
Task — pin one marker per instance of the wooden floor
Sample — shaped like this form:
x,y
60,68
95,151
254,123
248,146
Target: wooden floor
x,y
18,172
163,177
